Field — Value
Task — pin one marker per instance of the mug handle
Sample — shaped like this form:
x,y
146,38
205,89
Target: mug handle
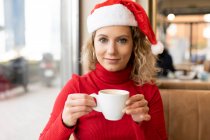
x,y
97,108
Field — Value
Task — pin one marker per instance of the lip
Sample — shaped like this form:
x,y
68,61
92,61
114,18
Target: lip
x,y
112,60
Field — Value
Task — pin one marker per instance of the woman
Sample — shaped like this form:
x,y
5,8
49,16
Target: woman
x,y
119,56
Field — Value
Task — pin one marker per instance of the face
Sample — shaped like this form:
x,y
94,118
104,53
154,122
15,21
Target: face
x,y
113,47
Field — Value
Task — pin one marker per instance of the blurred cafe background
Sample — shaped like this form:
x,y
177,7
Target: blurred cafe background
x,y
183,27
40,44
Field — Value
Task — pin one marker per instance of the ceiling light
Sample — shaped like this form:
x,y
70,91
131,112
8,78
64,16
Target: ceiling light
x,y
206,17
171,17
206,32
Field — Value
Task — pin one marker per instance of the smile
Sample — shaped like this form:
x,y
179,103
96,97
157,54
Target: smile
x,y
110,60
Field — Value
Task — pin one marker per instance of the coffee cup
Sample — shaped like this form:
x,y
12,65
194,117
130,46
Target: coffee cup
x,y
111,103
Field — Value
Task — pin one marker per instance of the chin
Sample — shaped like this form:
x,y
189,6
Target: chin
x,y
113,68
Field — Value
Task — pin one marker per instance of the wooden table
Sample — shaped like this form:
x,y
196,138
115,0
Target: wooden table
x,y
164,83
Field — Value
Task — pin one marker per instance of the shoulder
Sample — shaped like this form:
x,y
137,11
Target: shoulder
x,y
72,83
76,79
150,91
150,87
81,78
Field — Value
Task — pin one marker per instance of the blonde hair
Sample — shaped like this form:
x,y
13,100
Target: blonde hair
x,y
142,60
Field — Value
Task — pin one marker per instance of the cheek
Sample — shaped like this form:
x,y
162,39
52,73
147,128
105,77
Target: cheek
x,y
127,54
98,52
127,57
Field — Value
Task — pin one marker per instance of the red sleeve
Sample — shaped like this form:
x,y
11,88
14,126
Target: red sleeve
x,y
155,128
55,129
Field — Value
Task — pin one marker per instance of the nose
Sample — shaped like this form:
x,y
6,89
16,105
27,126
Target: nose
x,y
111,49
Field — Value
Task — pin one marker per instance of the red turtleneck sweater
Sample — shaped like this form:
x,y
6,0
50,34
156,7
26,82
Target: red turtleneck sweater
x,y
94,126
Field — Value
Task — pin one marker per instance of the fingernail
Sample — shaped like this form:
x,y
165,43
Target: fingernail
x,y
148,117
142,117
127,102
127,111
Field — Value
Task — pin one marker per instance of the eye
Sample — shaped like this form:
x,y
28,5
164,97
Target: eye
x,y
103,40
122,40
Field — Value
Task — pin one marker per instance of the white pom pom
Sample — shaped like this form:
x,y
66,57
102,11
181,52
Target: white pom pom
x,y
157,48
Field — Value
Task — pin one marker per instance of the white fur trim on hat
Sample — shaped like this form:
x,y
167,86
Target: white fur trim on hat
x,y
157,48
116,14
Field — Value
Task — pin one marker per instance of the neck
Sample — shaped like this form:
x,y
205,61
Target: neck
x,y
112,77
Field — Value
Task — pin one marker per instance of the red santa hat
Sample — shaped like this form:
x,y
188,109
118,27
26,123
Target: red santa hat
x,y
123,12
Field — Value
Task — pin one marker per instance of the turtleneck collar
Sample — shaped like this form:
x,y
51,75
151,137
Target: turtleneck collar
x,y
112,77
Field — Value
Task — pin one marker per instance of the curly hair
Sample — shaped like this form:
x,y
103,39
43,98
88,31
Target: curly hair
x,y
142,60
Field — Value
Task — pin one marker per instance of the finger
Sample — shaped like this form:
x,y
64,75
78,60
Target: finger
x,y
82,102
142,110
72,119
80,109
77,115
79,99
143,117
134,98
137,104
146,117
75,96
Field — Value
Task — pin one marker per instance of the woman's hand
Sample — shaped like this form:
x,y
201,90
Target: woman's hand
x,y
136,106
76,105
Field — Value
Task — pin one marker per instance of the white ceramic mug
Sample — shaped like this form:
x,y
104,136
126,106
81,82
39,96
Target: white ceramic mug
x,y
111,103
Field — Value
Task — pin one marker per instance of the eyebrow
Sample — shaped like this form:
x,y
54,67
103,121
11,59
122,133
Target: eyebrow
x,y
123,35
102,35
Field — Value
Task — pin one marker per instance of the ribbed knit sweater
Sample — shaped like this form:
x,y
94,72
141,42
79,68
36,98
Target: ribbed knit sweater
x,y
94,126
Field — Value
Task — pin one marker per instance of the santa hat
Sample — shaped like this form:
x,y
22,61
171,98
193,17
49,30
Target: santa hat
x,y
123,12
